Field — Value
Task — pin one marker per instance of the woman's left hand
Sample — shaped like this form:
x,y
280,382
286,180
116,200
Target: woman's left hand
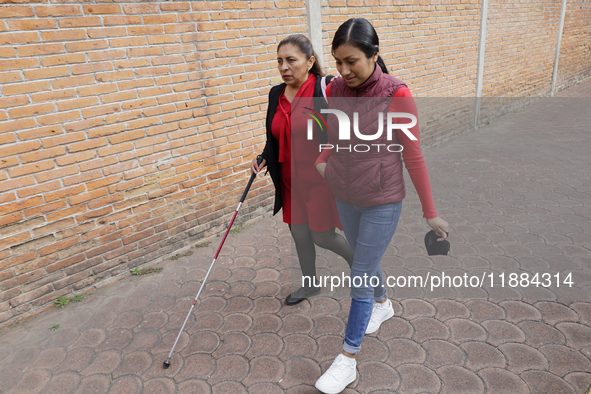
x,y
440,226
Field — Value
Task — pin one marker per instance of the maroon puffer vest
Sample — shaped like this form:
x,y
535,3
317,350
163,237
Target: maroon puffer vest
x,y
364,178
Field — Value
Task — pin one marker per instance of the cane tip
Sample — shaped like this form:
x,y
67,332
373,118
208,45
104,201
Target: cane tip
x,y
166,365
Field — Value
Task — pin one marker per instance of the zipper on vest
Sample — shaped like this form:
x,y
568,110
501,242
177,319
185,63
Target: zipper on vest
x,y
347,178
347,183
347,158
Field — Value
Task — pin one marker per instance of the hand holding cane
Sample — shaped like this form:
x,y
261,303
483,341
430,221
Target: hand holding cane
x,y
252,176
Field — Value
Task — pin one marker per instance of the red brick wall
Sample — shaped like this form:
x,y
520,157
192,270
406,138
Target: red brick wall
x,y
127,129
126,132
575,50
520,48
432,47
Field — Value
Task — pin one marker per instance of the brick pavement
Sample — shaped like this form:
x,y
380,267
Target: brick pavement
x,y
518,196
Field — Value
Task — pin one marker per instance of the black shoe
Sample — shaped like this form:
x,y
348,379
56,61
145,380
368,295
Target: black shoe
x,y
301,294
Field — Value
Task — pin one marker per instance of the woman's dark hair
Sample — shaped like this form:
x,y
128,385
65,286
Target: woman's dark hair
x,y
305,46
359,33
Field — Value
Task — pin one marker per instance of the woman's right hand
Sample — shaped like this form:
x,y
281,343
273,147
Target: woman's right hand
x,y
256,168
440,226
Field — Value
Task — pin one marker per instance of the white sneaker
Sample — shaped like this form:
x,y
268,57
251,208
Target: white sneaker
x,y
379,314
340,374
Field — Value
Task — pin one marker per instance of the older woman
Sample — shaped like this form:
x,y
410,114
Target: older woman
x,y
308,205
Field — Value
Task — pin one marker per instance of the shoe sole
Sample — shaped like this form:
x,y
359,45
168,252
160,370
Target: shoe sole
x,y
340,388
388,316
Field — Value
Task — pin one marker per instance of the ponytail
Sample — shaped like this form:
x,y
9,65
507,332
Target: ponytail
x,y
382,65
316,67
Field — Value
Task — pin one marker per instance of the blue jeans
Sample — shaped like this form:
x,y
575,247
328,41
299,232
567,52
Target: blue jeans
x,y
369,230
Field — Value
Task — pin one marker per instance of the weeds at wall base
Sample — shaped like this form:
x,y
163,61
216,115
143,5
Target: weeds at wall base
x,y
146,271
179,255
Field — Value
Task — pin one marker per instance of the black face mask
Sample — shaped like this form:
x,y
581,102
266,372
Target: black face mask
x,y
435,247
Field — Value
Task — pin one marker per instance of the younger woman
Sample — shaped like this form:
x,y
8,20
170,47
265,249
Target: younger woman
x,y
369,186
